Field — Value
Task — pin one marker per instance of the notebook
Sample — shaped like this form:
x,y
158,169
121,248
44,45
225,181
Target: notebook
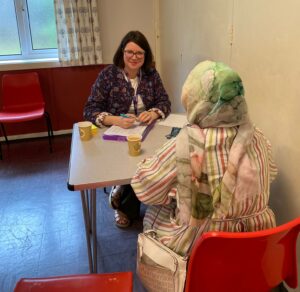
x,y
175,120
117,133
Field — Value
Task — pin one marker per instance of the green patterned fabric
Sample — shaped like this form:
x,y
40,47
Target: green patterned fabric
x,y
213,95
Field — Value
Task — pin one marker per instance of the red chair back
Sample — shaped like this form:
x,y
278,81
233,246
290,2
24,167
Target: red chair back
x,y
248,261
21,90
112,282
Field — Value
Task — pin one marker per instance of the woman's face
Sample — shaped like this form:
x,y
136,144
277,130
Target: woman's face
x,y
134,57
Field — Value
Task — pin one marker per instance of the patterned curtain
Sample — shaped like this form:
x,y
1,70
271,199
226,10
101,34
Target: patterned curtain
x,y
78,33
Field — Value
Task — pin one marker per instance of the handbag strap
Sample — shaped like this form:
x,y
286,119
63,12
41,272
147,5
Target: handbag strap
x,y
200,230
156,217
151,232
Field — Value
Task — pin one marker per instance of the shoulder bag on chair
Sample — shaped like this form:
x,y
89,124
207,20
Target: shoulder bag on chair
x,y
159,268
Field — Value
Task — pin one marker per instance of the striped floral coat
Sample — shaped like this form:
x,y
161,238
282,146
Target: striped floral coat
x,y
185,200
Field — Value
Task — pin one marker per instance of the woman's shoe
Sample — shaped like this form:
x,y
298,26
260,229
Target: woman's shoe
x,y
115,196
121,219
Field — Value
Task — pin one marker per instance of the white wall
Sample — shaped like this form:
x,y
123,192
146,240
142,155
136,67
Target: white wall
x,y
266,53
191,31
117,17
261,40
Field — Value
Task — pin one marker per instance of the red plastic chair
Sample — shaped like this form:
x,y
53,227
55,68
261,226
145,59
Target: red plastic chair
x,y
113,282
23,100
244,262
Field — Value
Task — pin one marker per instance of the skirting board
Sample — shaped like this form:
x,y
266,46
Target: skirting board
x,y
36,135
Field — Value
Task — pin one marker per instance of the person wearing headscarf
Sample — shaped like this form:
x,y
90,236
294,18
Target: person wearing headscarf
x,y
216,174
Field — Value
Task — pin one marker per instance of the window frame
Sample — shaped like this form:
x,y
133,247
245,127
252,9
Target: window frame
x,y
25,40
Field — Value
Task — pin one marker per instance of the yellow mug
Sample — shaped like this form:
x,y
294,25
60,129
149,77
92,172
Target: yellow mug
x,y
134,144
85,130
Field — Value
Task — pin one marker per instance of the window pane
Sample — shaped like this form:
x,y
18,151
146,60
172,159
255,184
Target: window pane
x,y
42,24
8,29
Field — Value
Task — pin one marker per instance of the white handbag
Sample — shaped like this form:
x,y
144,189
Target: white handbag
x,y
159,268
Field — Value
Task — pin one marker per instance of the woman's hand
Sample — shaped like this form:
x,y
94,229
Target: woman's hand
x,y
148,117
123,122
126,122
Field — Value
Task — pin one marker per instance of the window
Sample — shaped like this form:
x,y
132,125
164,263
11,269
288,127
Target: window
x,y
27,30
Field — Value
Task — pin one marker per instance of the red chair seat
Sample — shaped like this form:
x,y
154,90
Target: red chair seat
x,y
15,115
112,282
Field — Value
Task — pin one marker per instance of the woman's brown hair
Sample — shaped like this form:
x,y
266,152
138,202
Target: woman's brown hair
x,y
139,39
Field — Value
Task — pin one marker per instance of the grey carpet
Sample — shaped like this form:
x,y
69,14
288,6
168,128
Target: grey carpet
x,y
41,223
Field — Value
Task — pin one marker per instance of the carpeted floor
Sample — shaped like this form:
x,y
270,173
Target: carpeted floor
x,y
41,223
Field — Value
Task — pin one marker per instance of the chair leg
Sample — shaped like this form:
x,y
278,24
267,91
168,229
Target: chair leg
x,y
49,128
4,133
1,158
49,123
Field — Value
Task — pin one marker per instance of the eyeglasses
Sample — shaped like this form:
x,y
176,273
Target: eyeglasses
x,y
138,54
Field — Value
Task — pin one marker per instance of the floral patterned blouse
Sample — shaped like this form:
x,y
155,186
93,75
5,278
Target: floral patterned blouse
x,y
112,94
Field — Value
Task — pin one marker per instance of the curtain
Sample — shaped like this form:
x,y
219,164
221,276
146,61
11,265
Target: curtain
x,y
78,33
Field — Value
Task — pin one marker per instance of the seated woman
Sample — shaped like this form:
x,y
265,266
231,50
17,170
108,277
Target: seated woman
x,y
130,86
216,174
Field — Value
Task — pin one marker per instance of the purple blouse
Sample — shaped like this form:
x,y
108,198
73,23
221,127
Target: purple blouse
x,y
113,94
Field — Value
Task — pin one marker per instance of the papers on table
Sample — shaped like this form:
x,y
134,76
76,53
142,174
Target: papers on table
x,y
174,120
120,134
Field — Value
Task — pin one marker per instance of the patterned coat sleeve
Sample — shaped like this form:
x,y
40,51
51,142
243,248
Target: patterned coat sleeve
x,y
161,99
156,177
112,94
97,101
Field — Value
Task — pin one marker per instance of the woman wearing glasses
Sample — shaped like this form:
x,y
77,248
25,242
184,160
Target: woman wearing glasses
x,y
131,86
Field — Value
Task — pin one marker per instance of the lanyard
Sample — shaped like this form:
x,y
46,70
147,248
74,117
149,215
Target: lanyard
x,y
134,86
135,102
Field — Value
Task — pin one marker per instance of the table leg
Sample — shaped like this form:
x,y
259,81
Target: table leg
x,y
88,200
87,208
94,227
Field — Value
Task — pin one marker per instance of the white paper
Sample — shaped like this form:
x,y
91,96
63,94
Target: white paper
x,y
174,120
118,131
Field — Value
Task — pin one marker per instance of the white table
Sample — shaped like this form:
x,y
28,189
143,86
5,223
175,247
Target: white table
x,y
100,163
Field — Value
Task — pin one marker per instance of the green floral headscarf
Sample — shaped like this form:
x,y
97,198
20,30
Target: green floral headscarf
x,y
213,95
